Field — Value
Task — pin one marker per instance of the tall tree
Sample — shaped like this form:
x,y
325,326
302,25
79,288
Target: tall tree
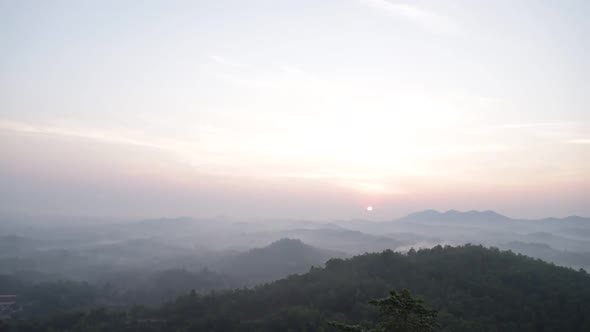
x,y
401,313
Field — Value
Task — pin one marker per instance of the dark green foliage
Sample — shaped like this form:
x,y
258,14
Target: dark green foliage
x,y
401,313
471,287
39,300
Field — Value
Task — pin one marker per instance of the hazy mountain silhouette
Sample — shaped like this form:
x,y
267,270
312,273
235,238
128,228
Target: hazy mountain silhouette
x,y
486,216
341,239
455,216
279,259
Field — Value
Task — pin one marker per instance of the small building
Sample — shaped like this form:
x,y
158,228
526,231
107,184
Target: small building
x,y
8,306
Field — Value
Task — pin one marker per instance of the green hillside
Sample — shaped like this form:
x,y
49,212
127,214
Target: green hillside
x,y
473,288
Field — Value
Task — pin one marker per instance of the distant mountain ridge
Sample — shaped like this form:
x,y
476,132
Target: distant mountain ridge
x,y
474,215
454,215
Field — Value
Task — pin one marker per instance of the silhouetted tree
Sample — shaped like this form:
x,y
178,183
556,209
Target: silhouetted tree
x,y
402,313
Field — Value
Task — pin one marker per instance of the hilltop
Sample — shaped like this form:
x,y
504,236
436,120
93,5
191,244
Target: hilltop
x,y
472,287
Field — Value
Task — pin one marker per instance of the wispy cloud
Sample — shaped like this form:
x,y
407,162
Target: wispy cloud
x,y
371,187
579,141
532,125
210,154
86,133
223,60
266,77
555,130
430,20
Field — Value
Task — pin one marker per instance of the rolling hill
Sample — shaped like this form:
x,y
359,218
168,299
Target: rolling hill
x,y
472,287
277,260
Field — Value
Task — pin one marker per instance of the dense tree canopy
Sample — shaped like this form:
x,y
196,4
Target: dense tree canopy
x,y
472,288
401,313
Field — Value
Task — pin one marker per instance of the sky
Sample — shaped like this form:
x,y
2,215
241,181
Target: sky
x,y
294,109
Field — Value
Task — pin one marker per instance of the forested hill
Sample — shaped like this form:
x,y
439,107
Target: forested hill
x,y
279,259
473,288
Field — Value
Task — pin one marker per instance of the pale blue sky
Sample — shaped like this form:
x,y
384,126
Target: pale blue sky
x,y
312,109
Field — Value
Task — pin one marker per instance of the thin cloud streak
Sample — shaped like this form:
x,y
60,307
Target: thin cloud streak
x,y
432,21
225,61
185,151
227,160
533,125
86,133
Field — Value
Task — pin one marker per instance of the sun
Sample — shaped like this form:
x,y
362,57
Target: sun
x,y
369,208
